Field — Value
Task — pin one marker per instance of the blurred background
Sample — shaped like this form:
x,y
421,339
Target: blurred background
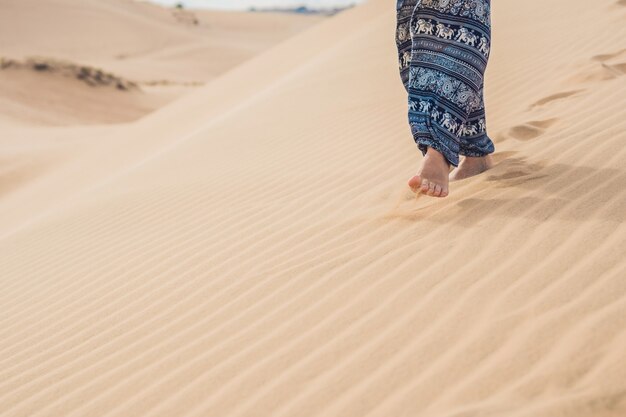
x,y
141,55
296,5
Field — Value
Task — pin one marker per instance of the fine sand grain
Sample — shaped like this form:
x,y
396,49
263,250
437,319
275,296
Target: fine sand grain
x,y
252,248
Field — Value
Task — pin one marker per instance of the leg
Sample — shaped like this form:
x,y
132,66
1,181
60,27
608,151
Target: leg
x,y
449,52
476,146
434,164
432,177
450,41
404,11
473,138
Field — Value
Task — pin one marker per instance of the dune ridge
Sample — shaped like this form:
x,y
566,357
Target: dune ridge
x,y
166,51
252,248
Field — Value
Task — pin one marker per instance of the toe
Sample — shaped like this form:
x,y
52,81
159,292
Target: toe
x,y
444,192
414,183
431,188
437,192
425,185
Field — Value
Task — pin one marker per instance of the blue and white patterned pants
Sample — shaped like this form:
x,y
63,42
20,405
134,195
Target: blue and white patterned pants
x,y
443,49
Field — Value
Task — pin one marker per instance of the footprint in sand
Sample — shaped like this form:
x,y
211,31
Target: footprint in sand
x,y
516,169
603,70
554,97
531,130
610,55
613,70
621,67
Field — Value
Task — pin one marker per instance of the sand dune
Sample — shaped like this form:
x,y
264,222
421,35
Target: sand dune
x,y
50,92
166,52
138,40
252,248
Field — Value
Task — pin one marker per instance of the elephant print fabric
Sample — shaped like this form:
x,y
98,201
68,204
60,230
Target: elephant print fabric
x,y
443,49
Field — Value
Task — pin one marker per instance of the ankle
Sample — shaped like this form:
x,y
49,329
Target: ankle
x,y
434,153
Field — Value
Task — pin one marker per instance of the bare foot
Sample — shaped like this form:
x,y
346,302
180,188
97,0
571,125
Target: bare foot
x,y
432,177
470,166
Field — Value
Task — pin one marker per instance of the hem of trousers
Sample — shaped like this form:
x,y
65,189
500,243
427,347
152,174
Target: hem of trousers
x,y
447,147
469,149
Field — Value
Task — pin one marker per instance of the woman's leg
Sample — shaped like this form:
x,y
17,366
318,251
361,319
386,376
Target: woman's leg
x,y
404,11
449,49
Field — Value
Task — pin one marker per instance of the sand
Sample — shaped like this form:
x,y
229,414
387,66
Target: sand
x,y
252,248
164,52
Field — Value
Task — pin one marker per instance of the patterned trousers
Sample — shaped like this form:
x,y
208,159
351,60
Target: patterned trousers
x,y
443,49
